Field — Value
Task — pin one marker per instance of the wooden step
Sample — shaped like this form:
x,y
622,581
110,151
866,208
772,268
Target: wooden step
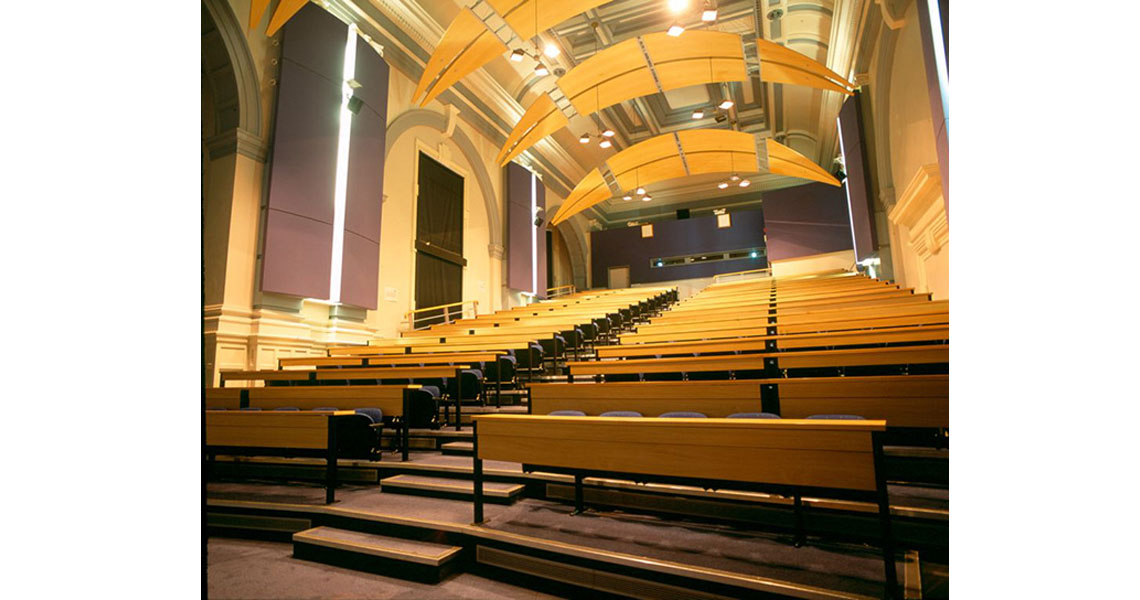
x,y
423,561
453,489
458,448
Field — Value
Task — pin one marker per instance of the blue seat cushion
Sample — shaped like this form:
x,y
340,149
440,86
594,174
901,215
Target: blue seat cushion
x,y
431,389
567,413
375,414
754,415
837,417
683,414
621,413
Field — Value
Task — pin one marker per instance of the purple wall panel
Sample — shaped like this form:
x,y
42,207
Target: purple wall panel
x,y
301,253
361,265
858,181
298,232
360,273
805,220
625,246
540,234
520,227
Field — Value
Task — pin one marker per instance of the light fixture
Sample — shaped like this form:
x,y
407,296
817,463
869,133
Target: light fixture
x,y
550,50
605,143
646,198
640,191
698,114
608,132
678,5
708,15
675,30
745,183
517,55
541,70
627,197
754,254
722,185
585,139
727,104
735,178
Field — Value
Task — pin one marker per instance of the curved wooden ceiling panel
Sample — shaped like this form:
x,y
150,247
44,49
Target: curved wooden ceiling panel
x,y
785,161
522,15
549,122
465,46
541,111
285,11
598,80
591,190
256,11
696,57
779,64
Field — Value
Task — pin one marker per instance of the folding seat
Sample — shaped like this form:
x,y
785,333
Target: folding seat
x,y
530,359
753,415
621,413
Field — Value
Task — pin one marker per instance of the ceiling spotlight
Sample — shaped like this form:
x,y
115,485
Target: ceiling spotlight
x,y
735,178
727,104
745,183
550,50
646,198
720,117
541,70
517,55
640,191
675,30
708,15
678,5
698,114
627,197
585,139
722,185
605,143
608,133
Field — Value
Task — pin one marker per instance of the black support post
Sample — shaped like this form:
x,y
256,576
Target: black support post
x,y
330,469
889,572
406,425
478,474
579,503
799,516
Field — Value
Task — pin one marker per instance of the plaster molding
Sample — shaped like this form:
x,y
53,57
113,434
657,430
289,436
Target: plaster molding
x,y
893,11
239,141
921,211
495,251
245,73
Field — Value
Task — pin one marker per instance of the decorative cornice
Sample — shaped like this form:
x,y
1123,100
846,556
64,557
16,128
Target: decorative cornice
x,y
240,141
495,251
920,209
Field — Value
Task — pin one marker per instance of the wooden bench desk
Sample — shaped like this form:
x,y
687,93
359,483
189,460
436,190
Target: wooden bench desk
x,y
756,340
830,459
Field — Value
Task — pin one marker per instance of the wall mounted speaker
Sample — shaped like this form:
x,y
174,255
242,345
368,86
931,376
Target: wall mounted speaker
x,y
354,105
682,213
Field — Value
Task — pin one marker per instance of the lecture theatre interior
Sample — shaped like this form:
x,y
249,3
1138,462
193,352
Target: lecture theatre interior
x,y
575,299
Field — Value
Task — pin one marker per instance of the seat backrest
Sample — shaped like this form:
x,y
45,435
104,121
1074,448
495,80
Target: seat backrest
x,y
683,414
621,413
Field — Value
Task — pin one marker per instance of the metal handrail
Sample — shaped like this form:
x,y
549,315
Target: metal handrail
x,y
450,314
562,290
765,272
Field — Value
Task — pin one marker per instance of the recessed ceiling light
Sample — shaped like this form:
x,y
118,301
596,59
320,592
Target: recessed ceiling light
x,y
698,114
735,177
678,5
608,133
646,198
585,139
550,50
605,143
727,104
640,191
541,70
627,197
708,15
675,30
722,185
517,55
745,183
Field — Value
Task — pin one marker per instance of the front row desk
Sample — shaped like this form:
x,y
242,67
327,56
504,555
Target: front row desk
x,y
830,458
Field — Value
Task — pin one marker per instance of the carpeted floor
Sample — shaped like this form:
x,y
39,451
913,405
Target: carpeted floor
x,y
253,570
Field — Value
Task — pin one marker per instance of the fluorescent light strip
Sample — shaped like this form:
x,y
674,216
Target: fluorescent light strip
x,y
534,234
847,189
340,189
